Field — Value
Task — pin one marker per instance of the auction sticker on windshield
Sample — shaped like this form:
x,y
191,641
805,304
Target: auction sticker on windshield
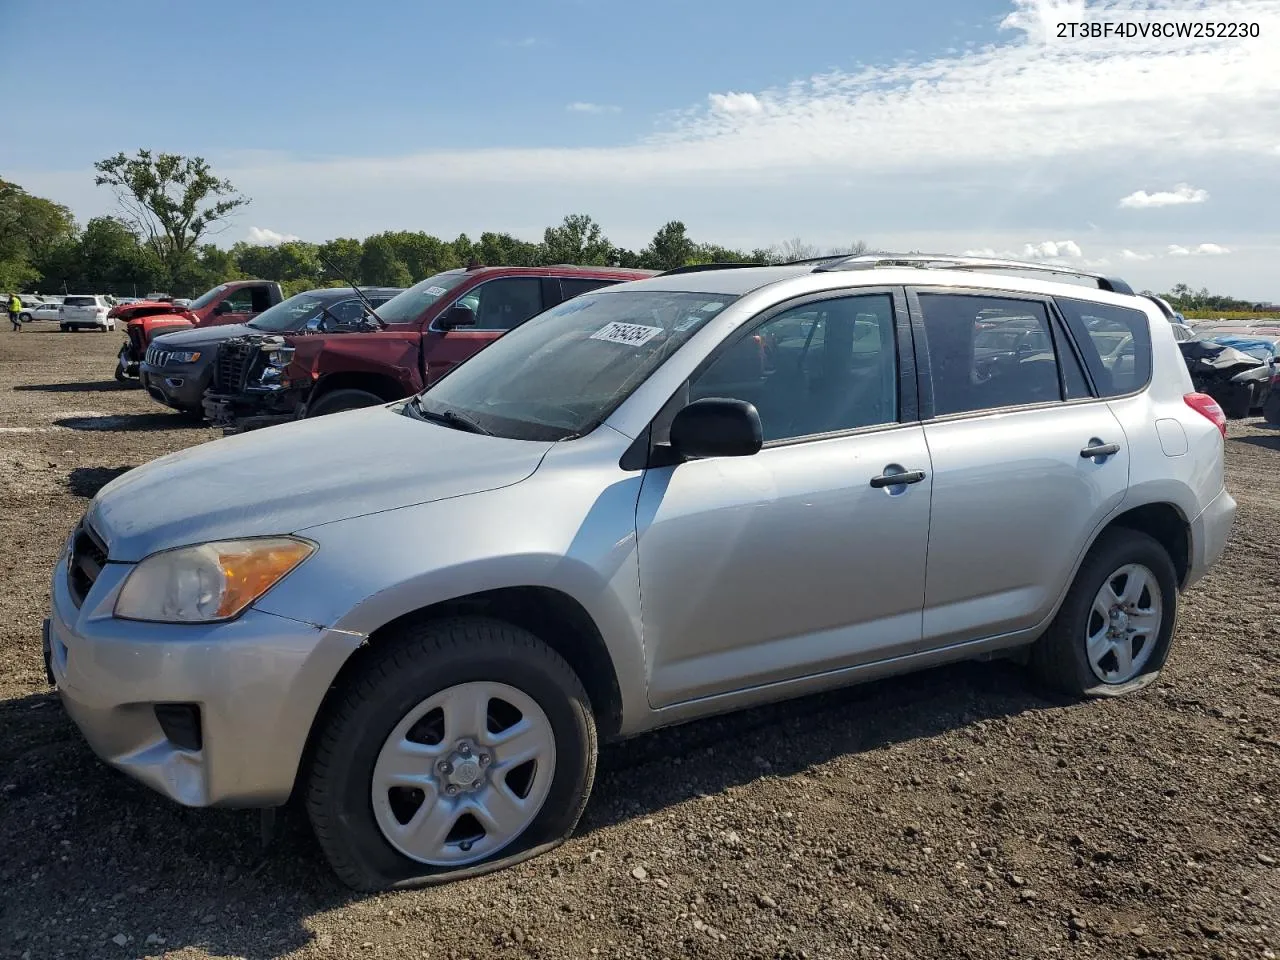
x,y
436,291
633,334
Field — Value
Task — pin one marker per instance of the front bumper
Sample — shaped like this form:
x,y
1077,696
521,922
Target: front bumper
x,y
239,413
257,681
1209,533
179,387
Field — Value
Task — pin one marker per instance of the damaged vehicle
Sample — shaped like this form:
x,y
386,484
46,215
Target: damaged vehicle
x,y
237,301
262,379
1239,381
178,367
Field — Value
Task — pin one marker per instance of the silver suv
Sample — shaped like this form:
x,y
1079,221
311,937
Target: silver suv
x,y
654,502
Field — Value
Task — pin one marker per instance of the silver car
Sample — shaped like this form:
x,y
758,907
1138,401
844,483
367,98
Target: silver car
x,y
654,502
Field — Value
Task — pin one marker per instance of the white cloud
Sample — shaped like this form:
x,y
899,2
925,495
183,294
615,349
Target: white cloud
x,y
1201,250
579,106
1052,249
735,104
265,237
1183,193
1131,255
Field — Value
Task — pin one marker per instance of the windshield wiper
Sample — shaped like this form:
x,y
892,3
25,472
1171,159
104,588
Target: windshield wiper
x,y
447,417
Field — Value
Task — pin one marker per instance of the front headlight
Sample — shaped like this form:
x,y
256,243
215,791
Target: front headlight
x,y
280,358
184,356
208,582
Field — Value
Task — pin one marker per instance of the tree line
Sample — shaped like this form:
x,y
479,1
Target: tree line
x,y
170,206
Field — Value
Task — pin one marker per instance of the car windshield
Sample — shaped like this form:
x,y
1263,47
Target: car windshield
x,y
560,374
207,297
407,306
289,315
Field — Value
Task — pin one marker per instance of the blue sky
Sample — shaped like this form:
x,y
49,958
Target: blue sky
x,y
938,124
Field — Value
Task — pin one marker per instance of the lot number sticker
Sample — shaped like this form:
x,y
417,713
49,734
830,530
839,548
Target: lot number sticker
x,y
632,334
436,291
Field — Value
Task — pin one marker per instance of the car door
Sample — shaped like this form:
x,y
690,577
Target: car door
x,y
499,305
1016,495
803,558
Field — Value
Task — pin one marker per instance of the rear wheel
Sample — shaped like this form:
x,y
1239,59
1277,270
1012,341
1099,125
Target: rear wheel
x,y
339,400
1113,632
24,318
64,327
458,747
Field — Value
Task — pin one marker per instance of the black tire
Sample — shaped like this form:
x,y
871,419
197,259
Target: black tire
x,y
65,328
24,318
395,677
1237,401
1059,660
339,400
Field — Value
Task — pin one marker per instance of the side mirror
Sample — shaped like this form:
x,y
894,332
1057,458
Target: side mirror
x,y
223,307
458,316
318,324
717,427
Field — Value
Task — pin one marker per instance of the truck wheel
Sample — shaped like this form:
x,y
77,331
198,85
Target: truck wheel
x,y
63,327
458,747
1113,632
340,400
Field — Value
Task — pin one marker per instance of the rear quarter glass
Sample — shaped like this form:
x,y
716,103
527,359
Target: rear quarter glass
x,y
1114,341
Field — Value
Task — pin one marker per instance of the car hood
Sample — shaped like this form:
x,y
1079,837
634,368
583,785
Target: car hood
x,y
200,336
287,478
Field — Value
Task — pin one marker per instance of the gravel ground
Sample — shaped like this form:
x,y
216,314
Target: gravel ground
x,y
954,813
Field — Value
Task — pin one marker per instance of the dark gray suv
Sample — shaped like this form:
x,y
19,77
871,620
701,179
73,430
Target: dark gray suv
x,y
178,367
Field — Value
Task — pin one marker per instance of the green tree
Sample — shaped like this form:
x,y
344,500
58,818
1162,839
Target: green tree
x,y
171,200
380,266
31,228
340,260
578,239
504,250
670,248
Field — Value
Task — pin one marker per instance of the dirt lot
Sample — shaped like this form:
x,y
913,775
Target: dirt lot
x,y
957,813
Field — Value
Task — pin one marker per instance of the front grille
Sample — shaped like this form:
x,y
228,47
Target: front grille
x,y
157,357
233,363
88,555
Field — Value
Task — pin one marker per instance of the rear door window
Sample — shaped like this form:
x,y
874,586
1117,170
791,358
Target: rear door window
x,y
1115,341
570,287
986,353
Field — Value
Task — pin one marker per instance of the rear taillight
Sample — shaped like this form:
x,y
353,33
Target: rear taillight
x,y
1207,407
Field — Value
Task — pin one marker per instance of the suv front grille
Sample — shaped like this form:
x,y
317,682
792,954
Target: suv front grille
x,y
88,556
233,362
157,357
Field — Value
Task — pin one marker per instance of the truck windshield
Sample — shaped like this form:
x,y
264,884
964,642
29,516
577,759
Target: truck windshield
x,y
408,305
207,297
288,315
560,374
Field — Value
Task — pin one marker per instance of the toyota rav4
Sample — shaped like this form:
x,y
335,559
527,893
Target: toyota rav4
x,y
653,502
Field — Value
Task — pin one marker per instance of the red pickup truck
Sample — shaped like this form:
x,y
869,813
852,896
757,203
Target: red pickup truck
x,y
237,301
418,336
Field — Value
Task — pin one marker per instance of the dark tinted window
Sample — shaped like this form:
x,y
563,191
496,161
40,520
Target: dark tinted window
x,y
988,352
239,301
80,302
1116,342
505,303
819,368
572,286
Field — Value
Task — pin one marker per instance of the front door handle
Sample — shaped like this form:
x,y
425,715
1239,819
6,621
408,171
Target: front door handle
x,y
1098,449
897,479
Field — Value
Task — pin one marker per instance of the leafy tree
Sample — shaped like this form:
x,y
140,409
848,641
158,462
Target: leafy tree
x,y
343,254
171,200
504,250
578,239
381,267
30,229
670,248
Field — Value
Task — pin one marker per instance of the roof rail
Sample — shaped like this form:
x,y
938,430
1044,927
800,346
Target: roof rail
x,y
700,267
825,258
947,262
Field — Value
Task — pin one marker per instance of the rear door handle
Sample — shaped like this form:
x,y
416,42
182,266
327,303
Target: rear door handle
x,y
1097,449
897,479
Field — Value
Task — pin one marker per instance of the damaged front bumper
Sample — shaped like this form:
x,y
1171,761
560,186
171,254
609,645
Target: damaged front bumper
x,y
249,388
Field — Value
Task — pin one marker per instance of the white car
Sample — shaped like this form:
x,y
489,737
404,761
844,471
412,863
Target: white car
x,y
41,311
86,311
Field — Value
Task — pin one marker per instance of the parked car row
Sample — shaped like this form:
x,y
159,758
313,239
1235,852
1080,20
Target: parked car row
x,y
642,502
71,312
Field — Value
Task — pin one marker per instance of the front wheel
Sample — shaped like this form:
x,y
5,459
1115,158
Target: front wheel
x,y
339,400
1113,632
24,318
457,747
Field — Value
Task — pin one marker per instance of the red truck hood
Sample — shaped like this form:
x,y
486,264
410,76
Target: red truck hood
x,y
299,475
